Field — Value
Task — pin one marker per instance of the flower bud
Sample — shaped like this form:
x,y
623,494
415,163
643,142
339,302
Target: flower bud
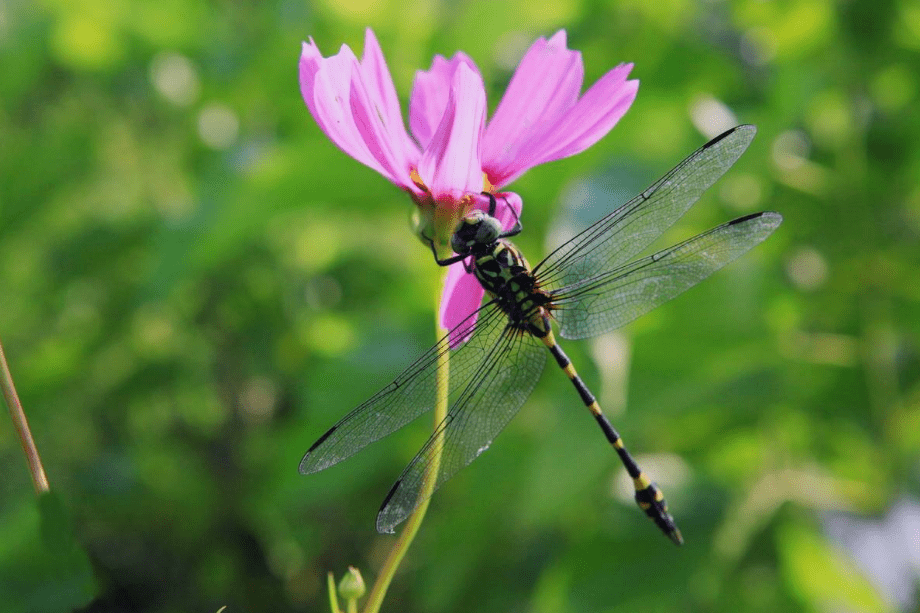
x,y
351,587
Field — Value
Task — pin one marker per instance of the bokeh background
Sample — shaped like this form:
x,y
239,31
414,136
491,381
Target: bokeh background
x,y
195,283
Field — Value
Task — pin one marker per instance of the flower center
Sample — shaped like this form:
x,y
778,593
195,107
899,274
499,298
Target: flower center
x,y
437,219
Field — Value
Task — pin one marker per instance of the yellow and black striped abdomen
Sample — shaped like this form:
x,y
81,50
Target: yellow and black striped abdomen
x,y
506,276
648,495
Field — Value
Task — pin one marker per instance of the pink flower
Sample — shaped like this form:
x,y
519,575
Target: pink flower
x,y
452,155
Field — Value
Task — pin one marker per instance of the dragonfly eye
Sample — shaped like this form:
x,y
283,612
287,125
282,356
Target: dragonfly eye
x,y
488,230
463,239
475,229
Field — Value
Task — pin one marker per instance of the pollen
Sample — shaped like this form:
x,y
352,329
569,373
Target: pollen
x,y
417,180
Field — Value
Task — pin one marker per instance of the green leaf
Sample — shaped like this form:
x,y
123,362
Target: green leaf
x,y
43,568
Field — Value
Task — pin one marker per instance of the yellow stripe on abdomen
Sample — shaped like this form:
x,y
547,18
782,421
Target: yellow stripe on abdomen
x,y
648,496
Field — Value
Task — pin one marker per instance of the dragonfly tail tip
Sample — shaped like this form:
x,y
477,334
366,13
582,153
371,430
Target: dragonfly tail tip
x,y
676,536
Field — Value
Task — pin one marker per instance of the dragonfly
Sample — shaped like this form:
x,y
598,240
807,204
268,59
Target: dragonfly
x,y
589,285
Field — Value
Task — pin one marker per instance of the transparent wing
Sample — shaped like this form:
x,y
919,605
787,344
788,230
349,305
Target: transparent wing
x,y
411,394
478,413
622,234
614,298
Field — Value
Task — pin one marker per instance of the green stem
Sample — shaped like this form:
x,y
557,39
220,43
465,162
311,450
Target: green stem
x,y
39,480
375,600
333,596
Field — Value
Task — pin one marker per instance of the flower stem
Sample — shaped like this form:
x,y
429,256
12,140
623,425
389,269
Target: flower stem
x,y
375,600
39,480
333,596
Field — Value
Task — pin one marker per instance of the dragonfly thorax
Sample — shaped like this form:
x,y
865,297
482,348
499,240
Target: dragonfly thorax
x,y
506,276
475,233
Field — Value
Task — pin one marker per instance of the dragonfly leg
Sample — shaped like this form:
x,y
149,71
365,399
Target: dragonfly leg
x,y
516,228
446,261
648,495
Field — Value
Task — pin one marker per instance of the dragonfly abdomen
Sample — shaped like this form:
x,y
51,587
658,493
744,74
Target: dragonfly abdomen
x,y
649,496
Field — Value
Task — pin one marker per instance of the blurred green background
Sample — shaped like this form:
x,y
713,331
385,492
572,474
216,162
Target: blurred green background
x,y
196,283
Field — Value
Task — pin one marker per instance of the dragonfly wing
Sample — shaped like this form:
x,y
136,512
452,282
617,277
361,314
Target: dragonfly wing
x,y
478,413
411,394
622,234
614,298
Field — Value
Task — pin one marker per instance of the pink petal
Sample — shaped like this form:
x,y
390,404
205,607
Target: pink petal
x,y
509,208
592,118
450,165
352,116
310,60
544,87
462,296
584,124
541,117
379,83
342,111
430,92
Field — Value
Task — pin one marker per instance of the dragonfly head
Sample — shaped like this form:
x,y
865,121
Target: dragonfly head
x,y
475,231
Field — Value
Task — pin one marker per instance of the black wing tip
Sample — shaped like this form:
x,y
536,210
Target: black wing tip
x,y
305,468
776,218
321,439
745,128
384,526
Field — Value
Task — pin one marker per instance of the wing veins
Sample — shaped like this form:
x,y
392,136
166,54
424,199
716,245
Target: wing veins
x,y
660,277
389,409
460,444
715,157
